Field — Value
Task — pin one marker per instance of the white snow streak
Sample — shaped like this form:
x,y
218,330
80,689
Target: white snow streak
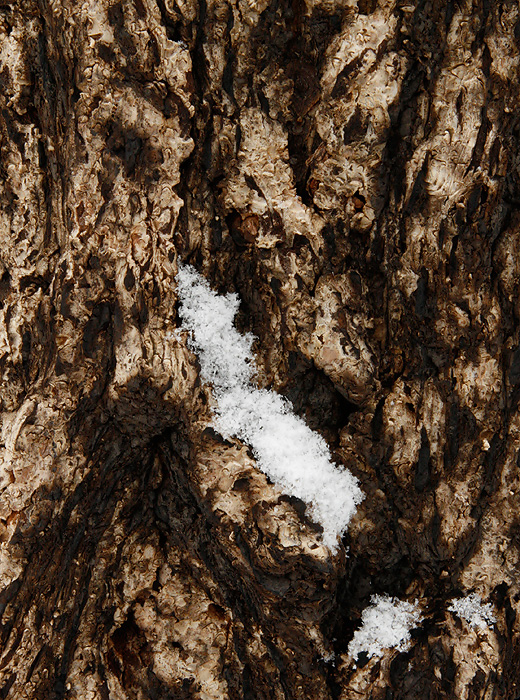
x,y
471,609
385,624
297,459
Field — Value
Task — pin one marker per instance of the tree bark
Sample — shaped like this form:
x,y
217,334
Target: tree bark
x,y
350,169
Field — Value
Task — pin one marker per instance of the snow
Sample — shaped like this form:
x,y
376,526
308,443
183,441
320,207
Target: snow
x,y
471,609
293,456
385,624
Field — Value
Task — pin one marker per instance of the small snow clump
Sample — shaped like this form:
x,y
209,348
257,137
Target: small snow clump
x,y
385,624
296,458
471,609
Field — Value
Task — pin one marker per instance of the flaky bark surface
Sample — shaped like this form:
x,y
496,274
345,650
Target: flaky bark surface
x,y
351,170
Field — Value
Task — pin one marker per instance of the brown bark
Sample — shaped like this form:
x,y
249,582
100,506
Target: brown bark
x,y
351,170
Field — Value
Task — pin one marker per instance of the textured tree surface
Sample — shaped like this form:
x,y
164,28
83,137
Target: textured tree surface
x,y
350,169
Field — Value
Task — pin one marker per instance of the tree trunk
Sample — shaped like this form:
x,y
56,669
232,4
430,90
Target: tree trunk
x,y
350,169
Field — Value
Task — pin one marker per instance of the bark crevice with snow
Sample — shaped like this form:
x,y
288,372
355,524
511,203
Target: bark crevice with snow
x,y
350,171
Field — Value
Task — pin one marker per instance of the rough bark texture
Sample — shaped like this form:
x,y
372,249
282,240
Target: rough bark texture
x,y
351,170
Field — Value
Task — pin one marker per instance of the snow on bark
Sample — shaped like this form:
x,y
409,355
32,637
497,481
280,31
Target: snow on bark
x,y
296,458
471,608
385,624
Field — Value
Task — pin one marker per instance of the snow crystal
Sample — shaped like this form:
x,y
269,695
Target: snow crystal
x,y
471,609
297,459
385,624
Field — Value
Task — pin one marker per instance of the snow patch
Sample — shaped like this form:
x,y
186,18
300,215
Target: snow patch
x,y
297,459
471,609
385,624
